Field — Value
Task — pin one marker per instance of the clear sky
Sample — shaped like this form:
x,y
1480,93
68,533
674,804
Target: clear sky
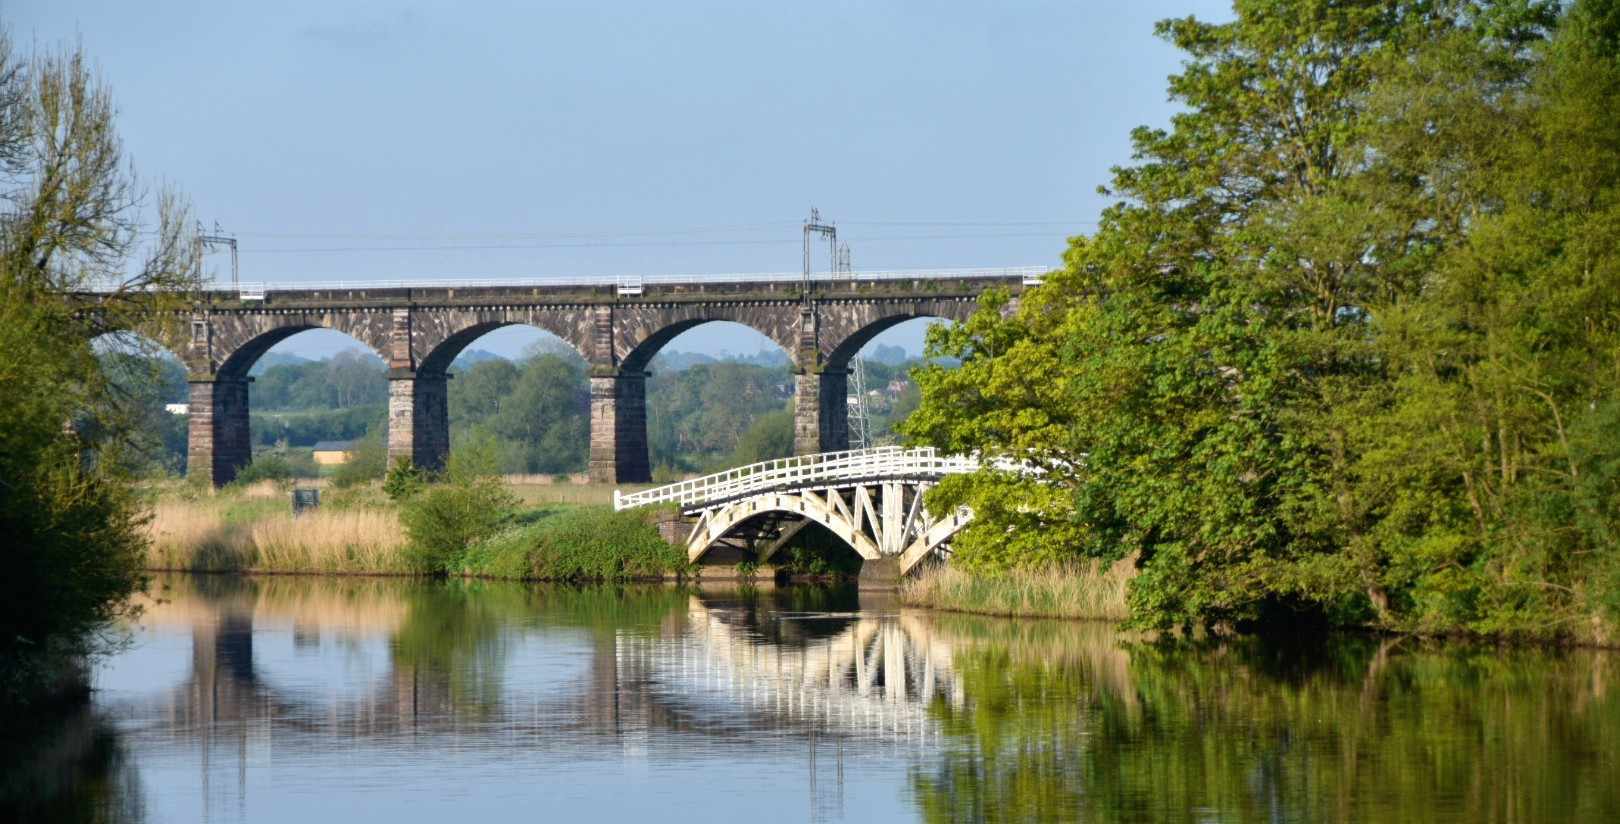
x,y
453,138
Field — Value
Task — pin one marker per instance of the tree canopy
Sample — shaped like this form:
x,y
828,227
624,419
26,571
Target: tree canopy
x,y
1345,346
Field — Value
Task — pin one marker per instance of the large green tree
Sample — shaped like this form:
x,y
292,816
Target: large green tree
x,y
1344,344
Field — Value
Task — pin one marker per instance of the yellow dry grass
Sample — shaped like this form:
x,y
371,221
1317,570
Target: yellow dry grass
x,y
1076,590
214,535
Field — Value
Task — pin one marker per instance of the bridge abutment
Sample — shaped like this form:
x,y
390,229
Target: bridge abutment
x,y
219,443
820,412
619,428
418,418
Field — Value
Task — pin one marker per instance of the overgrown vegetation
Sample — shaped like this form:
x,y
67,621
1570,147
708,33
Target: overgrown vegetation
x,y
576,544
1091,590
67,509
1347,347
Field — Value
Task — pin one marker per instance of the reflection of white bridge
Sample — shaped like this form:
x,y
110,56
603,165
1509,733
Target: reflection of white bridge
x,y
871,498
877,676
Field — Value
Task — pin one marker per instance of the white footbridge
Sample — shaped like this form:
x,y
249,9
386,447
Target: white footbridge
x,y
870,498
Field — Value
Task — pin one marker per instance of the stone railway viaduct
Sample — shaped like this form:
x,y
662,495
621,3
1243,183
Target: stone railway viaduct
x,y
616,326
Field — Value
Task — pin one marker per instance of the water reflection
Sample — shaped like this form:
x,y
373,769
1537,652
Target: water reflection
x,y
329,699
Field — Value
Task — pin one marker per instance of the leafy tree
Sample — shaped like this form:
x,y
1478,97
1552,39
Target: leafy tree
x,y
696,416
538,410
71,224
771,436
1261,373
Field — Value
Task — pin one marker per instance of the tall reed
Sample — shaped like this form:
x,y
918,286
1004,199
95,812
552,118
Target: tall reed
x,y
1075,590
211,535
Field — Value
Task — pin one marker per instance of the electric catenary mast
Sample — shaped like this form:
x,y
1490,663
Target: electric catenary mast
x,y
860,423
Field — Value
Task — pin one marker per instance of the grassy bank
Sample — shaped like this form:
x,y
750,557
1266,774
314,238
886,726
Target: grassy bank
x,y
553,532
1089,591
574,543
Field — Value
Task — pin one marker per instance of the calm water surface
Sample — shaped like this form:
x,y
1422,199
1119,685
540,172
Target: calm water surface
x,y
315,700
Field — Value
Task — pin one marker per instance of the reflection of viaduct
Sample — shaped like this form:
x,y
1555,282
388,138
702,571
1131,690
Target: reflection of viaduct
x,y
718,669
617,328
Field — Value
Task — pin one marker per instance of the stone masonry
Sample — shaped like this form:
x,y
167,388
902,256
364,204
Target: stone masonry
x,y
419,332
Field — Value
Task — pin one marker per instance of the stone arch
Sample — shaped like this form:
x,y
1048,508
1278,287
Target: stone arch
x,y
847,329
224,350
437,337
640,331
239,341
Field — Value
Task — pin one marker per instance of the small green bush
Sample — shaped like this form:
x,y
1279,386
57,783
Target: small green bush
x,y
274,467
591,543
367,463
443,521
403,480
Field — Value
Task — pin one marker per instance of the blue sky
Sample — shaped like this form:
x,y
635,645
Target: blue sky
x,y
383,140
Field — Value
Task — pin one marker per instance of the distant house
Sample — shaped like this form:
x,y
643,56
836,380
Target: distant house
x,y
331,453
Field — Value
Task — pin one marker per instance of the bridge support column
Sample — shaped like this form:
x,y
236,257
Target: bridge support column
x,y
820,412
619,428
418,418
218,443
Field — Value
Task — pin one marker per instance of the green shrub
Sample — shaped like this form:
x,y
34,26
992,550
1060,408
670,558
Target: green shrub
x,y
443,521
403,480
367,463
585,543
274,467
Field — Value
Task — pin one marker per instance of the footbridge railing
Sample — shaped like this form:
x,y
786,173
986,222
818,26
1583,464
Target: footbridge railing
x,y
805,472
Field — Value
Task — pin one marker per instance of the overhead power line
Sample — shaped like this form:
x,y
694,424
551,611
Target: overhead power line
x,y
468,247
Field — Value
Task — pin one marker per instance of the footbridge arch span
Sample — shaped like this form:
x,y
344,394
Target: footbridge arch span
x,y
873,499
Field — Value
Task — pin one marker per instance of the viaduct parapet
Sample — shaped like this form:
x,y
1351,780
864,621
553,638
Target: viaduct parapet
x,y
615,327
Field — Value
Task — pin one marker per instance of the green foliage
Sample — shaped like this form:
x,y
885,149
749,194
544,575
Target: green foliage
x,y
307,427
276,466
367,463
576,544
817,552
696,417
403,480
444,520
770,436
537,411
69,439
144,378
349,379
1346,345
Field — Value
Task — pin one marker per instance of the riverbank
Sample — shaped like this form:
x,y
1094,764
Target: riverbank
x,y
557,532
1083,591
551,532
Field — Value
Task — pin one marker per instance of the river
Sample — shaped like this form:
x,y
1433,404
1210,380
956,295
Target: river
x,y
337,699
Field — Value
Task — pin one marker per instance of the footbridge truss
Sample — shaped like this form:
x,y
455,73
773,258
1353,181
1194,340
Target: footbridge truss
x,y
870,498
